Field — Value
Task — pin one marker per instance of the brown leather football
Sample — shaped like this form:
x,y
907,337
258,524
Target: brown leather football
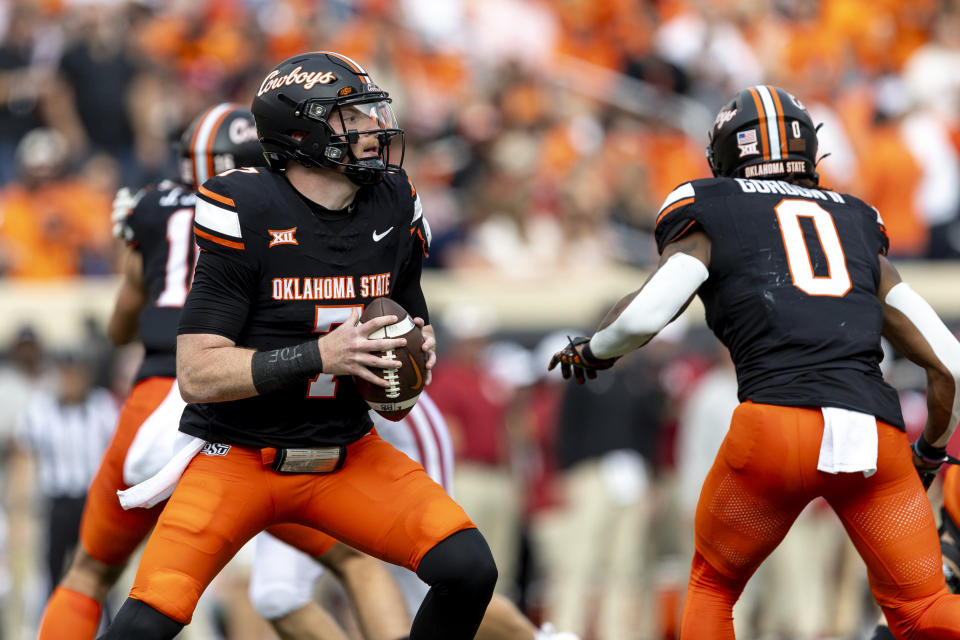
x,y
395,401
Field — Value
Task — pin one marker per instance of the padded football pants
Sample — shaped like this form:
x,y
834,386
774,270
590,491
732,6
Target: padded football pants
x,y
380,502
765,474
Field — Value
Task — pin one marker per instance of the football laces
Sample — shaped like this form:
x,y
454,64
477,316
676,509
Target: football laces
x,y
392,376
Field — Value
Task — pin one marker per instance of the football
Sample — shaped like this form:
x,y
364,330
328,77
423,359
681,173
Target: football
x,y
406,383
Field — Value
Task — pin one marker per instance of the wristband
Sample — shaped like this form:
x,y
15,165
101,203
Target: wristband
x,y
590,358
929,453
279,368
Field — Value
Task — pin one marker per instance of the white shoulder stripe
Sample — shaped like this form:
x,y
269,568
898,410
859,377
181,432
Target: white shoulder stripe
x,y
217,219
683,191
773,130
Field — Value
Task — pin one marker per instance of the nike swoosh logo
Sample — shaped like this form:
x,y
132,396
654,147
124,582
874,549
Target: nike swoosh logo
x,y
377,237
416,370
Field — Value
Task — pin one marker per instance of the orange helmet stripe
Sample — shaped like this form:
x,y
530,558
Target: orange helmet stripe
x,y
213,135
193,143
780,123
350,63
762,114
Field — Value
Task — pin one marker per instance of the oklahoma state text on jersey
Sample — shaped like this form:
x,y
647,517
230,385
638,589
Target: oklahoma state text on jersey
x,y
276,270
162,224
792,289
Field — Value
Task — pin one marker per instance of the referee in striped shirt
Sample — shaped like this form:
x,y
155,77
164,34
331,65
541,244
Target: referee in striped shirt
x,y
65,431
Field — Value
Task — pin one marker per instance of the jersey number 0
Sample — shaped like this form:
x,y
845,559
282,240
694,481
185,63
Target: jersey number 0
x,y
837,281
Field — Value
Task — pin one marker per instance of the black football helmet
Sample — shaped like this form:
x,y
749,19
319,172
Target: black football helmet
x,y
764,132
312,107
222,137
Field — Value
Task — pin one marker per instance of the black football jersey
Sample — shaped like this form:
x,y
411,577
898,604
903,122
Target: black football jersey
x,y
792,289
162,226
275,271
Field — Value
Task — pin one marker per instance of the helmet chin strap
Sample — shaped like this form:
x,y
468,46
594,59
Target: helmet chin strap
x,y
368,172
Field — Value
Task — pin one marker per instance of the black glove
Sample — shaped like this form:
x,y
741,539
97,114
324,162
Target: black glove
x,y
928,459
576,358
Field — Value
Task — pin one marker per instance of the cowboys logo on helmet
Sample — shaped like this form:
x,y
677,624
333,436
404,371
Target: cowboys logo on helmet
x,y
321,109
764,132
221,138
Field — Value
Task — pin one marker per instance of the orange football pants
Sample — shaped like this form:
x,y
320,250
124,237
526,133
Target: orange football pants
x,y
107,532
380,502
765,474
111,534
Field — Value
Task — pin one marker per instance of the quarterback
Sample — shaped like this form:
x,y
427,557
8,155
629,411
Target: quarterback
x,y
155,225
268,377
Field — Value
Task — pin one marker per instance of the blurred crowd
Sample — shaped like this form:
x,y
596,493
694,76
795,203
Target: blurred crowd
x,y
542,134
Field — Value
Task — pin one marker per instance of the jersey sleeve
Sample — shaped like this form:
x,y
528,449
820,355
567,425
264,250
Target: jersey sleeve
x,y
408,292
879,231
216,222
224,282
677,216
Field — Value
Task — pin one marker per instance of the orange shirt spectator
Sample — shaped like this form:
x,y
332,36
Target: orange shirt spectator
x,y
57,229
890,178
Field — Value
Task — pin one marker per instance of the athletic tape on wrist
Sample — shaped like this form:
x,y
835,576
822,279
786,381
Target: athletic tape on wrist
x,y
928,452
279,368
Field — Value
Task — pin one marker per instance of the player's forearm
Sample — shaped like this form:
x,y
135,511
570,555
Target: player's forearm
x,y
916,331
215,374
942,394
662,298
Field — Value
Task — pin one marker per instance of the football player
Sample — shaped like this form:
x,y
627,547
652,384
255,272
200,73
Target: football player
x,y
268,341
156,225
282,580
795,283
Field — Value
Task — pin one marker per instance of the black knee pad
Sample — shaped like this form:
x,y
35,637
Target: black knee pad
x,y
137,620
461,562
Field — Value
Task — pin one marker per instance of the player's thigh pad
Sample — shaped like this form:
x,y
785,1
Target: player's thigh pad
x,y
754,491
282,578
384,504
108,532
220,503
890,521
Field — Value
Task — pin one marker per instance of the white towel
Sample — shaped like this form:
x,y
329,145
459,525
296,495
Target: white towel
x,y
153,446
158,487
849,442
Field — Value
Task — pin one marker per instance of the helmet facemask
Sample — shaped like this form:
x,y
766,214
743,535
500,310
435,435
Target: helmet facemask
x,y
355,136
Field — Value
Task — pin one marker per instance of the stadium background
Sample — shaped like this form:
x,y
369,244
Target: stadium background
x,y
542,136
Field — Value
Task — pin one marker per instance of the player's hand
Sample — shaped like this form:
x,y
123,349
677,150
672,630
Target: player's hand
x,y
576,359
429,345
927,461
123,204
348,351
